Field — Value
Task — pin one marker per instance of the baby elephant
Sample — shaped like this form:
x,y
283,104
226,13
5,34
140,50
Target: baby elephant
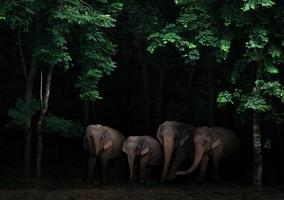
x,y
145,151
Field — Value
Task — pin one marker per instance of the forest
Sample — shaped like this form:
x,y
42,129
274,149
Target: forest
x,y
141,99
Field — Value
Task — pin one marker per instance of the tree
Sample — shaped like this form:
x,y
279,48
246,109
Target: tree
x,y
53,27
207,29
255,74
196,35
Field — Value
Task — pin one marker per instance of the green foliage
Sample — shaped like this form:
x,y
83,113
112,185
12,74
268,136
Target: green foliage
x,y
87,83
254,4
22,111
224,98
255,103
194,30
19,13
271,88
168,35
54,26
257,39
66,128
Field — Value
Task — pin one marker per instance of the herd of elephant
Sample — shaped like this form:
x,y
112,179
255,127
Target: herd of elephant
x,y
177,142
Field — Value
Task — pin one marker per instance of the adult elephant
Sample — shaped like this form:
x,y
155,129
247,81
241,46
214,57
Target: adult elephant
x,y
177,141
145,151
216,142
104,143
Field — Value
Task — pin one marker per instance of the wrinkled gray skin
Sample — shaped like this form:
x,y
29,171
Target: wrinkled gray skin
x,y
216,142
177,142
145,151
103,143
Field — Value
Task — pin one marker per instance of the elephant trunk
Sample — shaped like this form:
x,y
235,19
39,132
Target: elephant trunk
x,y
131,159
197,158
168,143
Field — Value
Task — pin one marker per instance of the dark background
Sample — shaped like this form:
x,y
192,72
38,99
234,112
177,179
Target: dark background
x,y
123,106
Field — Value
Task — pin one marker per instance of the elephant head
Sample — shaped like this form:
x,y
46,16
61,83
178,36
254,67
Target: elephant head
x,y
205,141
172,135
97,139
134,146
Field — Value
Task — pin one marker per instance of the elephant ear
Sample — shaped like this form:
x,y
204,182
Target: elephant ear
x,y
85,142
145,148
216,142
107,140
159,135
184,137
124,146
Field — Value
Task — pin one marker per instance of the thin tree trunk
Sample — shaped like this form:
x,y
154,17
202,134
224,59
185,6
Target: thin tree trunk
x,y
86,112
145,78
257,151
160,94
280,139
211,89
20,45
43,110
188,94
257,136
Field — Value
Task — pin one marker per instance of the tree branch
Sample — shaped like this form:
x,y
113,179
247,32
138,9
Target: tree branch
x,y
22,54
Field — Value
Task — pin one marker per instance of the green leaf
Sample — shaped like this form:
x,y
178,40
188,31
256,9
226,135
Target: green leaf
x,y
224,98
271,68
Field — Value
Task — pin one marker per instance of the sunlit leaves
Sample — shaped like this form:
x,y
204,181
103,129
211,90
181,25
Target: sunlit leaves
x,y
254,4
254,102
159,40
272,88
270,68
87,83
224,98
257,39
207,38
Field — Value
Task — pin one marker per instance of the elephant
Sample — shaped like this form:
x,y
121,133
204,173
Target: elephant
x,y
177,142
104,143
145,151
215,142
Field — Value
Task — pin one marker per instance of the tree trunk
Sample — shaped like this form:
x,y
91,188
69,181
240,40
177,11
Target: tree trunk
x,y
29,77
160,94
28,124
190,73
257,151
257,158
211,89
280,139
43,110
145,79
86,112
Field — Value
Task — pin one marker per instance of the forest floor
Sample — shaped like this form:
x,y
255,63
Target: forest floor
x,y
17,190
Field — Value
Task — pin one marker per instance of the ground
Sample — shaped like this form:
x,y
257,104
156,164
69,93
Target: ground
x,y
152,191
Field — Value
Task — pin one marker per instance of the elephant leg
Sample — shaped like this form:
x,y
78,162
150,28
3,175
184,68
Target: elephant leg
x,y
104,166
148,173
143,168
203,167
178,160
215,163
91,167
